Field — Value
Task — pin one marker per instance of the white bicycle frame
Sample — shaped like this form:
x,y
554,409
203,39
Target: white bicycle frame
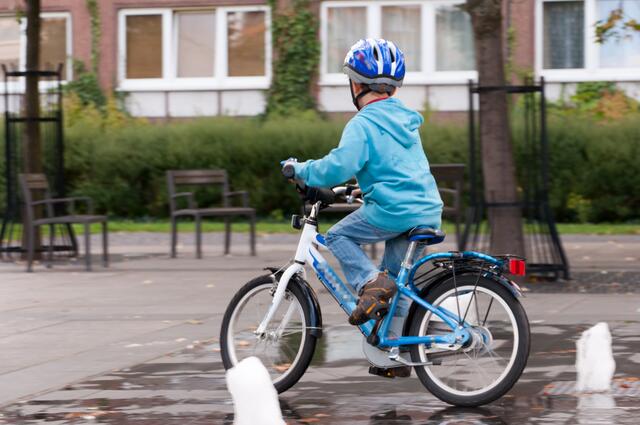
x,y
307,253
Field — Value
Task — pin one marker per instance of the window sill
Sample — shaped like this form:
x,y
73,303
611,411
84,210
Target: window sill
x,y
195,84
18,87
584,75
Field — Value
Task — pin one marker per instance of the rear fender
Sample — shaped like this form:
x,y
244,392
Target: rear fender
x,y
315,314
446,274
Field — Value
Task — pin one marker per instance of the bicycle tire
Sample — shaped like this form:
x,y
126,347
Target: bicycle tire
x,y
307,348
521,356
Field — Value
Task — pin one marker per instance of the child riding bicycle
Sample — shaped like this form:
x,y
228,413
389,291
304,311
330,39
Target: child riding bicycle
x,y
381,147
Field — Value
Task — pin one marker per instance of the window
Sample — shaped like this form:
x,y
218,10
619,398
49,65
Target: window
x,y
246,54
9,42
55,42
196,41
566,50
454,40
194,49
563,34
623,52
435,36
346,25
144,46
402,25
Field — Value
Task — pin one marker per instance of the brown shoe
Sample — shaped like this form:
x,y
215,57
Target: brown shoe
x,y
374,300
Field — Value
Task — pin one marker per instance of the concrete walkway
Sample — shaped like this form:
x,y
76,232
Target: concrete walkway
x,y
64,325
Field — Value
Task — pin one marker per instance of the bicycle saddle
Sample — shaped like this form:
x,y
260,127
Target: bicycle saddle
x,y
426,235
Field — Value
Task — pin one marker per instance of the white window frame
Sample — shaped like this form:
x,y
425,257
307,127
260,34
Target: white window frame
x,y
170,81
22,57
174,43
22,42
428,74
592,70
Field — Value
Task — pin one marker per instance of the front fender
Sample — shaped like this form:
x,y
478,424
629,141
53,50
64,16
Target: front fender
x,y
315,314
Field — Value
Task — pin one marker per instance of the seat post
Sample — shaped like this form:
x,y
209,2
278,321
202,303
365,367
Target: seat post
x,y
407,263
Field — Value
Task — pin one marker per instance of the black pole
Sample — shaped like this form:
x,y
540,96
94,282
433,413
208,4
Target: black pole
x,y
7,165
545,181
543,138
472,210
7,146
472,147
59,151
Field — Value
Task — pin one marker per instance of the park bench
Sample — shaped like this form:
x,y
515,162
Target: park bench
x,y
209,178
450,180
57,211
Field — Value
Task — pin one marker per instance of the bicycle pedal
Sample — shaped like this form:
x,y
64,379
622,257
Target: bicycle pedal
x,y
392,372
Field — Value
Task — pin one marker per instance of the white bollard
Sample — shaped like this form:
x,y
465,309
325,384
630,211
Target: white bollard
x,y
255,400
594,359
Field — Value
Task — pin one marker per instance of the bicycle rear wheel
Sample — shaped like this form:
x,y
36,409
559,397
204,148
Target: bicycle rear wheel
x,y
485,368
286,348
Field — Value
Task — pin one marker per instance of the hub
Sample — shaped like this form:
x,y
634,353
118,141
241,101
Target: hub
x,y
481,339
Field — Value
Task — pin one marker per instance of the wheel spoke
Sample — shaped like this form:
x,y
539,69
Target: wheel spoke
x,y
478,368
280,347
473,296
487,314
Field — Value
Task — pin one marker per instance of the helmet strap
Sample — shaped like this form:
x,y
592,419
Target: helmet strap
x,y
356,98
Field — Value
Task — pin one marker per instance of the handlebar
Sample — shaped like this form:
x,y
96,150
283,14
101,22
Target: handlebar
x,y
317,194
289,171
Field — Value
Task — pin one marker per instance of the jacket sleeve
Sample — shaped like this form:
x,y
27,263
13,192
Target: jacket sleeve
x,y
342,163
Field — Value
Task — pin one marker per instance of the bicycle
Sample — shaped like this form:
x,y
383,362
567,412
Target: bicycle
x,y
460,353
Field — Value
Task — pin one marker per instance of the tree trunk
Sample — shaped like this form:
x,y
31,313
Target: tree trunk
x,y
31,144
500,187
32,155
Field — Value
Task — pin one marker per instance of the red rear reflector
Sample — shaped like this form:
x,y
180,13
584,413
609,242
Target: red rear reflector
x,y
517,267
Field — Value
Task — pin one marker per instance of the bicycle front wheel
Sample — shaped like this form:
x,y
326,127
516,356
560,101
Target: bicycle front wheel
x,y
490,363
286,347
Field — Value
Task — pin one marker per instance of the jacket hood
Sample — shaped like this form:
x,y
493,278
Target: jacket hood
x,y
392,117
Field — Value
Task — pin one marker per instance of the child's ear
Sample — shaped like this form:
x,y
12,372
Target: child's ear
x,y
356,86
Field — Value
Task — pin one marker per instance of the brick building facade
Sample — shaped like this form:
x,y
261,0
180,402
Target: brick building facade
x,y
183,58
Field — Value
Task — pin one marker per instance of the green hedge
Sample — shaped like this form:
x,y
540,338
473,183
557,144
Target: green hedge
x,y
595,167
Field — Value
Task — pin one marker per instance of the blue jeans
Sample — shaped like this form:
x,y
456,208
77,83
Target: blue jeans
x,y
345,241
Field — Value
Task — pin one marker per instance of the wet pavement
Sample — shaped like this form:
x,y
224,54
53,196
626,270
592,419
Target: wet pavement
x,y
188,387
109,346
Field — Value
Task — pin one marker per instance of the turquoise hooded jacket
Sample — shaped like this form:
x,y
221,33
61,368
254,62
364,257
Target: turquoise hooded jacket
x,y
381,147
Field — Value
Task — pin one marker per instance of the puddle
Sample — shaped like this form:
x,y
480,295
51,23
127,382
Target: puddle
x,y
188,387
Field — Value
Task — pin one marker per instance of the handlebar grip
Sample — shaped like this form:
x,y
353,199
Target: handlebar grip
x,y
289,171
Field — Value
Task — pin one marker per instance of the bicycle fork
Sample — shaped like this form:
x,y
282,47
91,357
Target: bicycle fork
x,y
277,299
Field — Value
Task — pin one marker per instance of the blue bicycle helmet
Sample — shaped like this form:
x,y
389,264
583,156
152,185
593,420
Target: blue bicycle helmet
x,y
376,63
